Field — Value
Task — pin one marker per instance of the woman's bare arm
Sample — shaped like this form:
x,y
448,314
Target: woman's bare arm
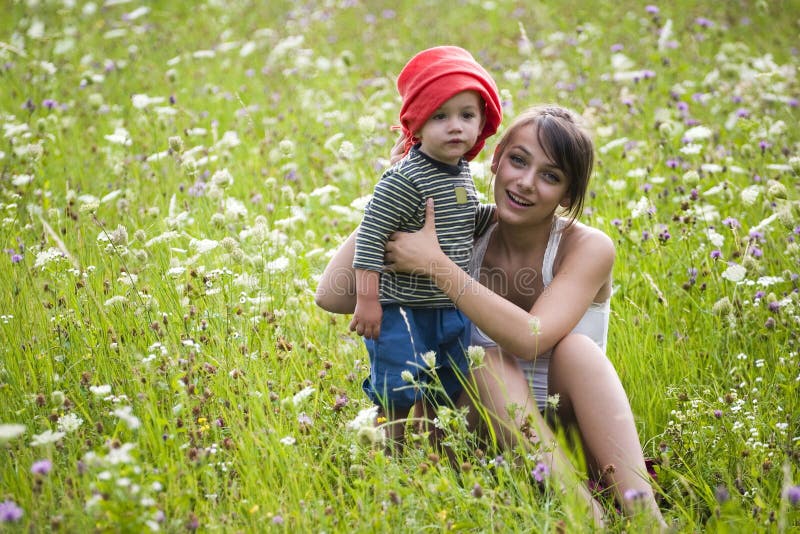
x,y
336,291
556,312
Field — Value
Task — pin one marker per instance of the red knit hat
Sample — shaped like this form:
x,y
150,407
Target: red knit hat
x,y
434,76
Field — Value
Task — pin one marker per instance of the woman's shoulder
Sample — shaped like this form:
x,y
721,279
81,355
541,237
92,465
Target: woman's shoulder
x,y
582,241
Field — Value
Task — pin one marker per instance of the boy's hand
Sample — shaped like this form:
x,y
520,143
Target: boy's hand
x,y
367,318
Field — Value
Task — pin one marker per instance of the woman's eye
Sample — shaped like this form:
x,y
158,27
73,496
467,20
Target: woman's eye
x,y
517,160
550,177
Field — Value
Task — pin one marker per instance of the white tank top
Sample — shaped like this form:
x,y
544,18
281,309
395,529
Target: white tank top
x,y
593,324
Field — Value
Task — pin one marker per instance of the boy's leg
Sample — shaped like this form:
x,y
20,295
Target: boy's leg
x,y
385,386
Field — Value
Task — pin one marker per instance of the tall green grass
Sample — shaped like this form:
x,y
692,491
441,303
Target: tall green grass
x,y
157,282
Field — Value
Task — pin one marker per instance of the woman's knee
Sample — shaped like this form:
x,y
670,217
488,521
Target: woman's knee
x,y
577,349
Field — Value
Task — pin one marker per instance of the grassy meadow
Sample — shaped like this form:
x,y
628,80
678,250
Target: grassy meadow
x,y
175,175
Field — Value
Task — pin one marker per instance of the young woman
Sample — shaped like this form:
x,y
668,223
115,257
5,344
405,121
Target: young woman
x,y
539,304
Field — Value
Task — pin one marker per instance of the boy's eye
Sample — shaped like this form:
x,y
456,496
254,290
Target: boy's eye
x,y
468,115
438,116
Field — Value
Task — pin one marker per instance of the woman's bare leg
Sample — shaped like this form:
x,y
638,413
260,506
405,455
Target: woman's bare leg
x,y
505,394
593,399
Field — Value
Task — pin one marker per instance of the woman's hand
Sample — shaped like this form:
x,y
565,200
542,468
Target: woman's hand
x,y
415,252
397,150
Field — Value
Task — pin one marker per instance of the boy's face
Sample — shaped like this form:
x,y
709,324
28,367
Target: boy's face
x,y
452,130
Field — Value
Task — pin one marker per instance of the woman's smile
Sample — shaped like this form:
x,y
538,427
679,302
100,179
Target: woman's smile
x,y
519,201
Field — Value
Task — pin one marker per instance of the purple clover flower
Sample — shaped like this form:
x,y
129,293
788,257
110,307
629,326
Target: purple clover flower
x,y
722,494
42,467
759,295
716,254
704,22
731,222
9,511
793,495
617,47
652,10
743,112
632,494
540,472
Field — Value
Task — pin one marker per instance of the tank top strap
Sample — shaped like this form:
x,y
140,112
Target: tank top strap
x,y
552,249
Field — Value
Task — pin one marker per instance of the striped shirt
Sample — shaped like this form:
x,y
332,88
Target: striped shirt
x,y
398,203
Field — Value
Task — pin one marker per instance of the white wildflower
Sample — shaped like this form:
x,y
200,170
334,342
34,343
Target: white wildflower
x,y
711,168
347,150
430,359
367,124
734,273
637,173
46,437
691,148
222,179
69,422
286,146
48,256
476,355
288,440
120,455
9,431
119,137
18,180
697,133
407,376
371,435
302,395
365,417
641,207
138,12
277,265
535,325
715,237
203,245
750,194
141,101
229,139
125,414
616,185
100,391
553,400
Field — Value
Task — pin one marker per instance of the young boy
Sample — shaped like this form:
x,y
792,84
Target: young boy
x,y
450,106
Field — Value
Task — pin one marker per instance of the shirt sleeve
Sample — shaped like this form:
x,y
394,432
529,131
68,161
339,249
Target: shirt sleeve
x,y
394,201
484,216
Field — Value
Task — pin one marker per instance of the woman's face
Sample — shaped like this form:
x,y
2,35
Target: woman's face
x,y
528,186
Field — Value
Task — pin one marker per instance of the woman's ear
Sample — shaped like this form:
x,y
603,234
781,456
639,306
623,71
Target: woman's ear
x,y
496,159
566,202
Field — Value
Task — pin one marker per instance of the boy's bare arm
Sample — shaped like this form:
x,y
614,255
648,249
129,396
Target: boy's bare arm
x,y
368,313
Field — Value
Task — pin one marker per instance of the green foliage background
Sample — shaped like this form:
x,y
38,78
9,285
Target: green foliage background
x,y
192,297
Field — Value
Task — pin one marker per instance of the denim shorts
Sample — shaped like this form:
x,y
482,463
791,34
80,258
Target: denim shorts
x,y
402,342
